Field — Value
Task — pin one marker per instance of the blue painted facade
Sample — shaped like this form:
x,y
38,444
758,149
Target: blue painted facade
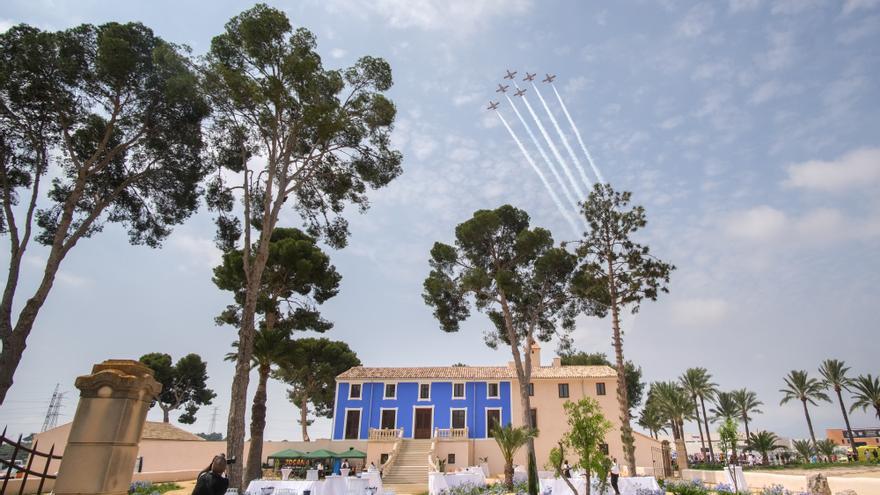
x,y
476,402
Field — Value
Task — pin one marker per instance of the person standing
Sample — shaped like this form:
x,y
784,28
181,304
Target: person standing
x,y
615,475
211,481
566,469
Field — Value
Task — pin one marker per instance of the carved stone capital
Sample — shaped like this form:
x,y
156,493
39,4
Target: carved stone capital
x,y
117,379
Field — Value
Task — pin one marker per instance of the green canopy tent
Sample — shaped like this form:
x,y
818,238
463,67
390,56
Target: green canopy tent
x,y
287,454
320,454
351,453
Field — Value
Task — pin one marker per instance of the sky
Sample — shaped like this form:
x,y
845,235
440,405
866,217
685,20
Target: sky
x,y
748,129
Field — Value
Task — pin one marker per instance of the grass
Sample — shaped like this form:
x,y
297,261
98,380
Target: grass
x,y
147,488
818,465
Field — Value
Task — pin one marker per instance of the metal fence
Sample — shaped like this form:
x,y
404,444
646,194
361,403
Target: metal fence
x,y
12,469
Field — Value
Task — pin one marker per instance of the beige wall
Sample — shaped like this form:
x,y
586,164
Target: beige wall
x,y
461,449
375,449
756,481
552,423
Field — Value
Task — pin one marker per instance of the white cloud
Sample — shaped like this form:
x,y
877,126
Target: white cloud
x,y
781,52
575,84
697,21
853,5
863,28
761,223
464,99
743,5
5,24
458,16
201,250
699,312
672,122
856,169
790,7
338,52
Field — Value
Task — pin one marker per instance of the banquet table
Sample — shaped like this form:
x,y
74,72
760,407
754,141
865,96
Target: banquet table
x,y
627,485
437,482
331,485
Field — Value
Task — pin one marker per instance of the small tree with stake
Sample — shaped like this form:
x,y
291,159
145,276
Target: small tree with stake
x,y
618,273
517,277
727,438
586,433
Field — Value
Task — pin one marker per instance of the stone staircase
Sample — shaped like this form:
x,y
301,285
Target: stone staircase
x,y
410,468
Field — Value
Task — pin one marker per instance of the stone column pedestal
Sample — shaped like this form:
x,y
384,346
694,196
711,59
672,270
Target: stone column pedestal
x,y
102,446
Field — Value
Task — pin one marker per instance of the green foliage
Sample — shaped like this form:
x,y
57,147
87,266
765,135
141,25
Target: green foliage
x,y
183,384
325,133
652,419
725,407
693,487
297,278
312,369
211,437
866,392
804,449
727,435
799,386
587,428
833,373
825,447
763,442
510,439
671,402
635,387
746,403
148,488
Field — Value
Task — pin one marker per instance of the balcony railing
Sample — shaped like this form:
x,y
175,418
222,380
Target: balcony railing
x,y
385,434
451,433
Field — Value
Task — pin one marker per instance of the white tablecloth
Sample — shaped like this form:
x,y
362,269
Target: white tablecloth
x,y
375,479
331,485
523,476
627,486
740,478
437,482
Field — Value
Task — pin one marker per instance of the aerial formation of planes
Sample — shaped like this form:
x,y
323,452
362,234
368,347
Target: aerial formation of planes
x,y
511,74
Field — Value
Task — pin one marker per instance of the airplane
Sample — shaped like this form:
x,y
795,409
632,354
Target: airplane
x,y
510,75
492,105
520,92
549,78
529,77
502,89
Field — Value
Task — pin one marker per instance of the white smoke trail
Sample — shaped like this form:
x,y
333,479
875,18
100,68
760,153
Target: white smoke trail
x,y
547,161
562,210
562,163
578,134
564,139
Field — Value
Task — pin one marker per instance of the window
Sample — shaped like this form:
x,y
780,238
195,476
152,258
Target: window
x,y
458,390
352,424
492,391
389,419
450,459
600,389
493,419
534,417
604,448
354,391
459,418
390,391
424,391
563,390
531,390
383,458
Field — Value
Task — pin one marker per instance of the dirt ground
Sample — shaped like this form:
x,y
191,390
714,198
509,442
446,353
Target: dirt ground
x,y
186,488
848,472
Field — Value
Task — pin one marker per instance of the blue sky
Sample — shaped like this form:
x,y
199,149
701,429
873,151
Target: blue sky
x,y
748,129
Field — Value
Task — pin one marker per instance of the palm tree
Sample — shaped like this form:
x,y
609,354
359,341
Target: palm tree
x,y
677,407
509,440
833,372
804,449
798,385
698,383
866,391
725,407
747,402
271,347
652,419
825,448
763,442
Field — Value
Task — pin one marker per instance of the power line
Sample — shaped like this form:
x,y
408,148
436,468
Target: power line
x,y
52,413
213,421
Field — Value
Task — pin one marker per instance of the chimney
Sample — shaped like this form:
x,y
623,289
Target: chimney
x,y
557,362
535,352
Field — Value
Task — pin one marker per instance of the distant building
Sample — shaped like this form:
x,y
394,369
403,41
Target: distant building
x,y
861,436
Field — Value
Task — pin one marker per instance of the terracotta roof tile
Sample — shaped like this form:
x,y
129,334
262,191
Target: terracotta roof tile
x,y
474,372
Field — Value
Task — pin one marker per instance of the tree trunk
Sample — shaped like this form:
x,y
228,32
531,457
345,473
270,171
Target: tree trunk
x,y
304,418
746,423
626,434
680,446
845,418
254,468
708,435
810,425
508,475
165,418
699,427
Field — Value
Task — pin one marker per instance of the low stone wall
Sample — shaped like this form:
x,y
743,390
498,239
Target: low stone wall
x,y
794,482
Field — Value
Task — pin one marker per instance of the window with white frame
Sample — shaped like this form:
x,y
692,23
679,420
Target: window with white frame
x,y
493,390
354,391
459,418
424,391
390,391
458,390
